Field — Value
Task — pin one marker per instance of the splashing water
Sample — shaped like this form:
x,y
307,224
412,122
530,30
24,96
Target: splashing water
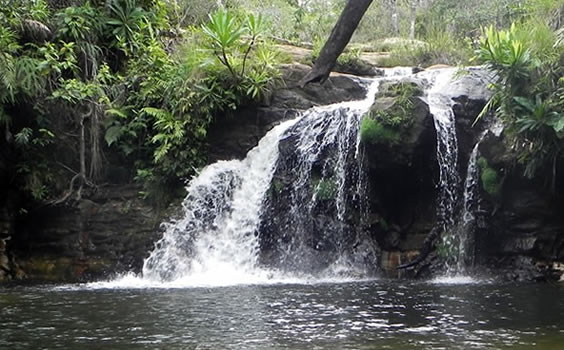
x,y
215,241
216,235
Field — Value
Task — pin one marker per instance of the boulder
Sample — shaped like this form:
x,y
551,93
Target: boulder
x,y
233,136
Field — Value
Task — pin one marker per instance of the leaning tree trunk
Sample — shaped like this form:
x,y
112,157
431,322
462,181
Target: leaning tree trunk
x,y
338,40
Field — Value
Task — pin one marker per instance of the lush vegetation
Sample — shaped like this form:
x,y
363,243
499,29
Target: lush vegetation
x,y
528,59
95,91
90,92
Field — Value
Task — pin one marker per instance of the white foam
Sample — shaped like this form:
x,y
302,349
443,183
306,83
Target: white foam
x,y
456,279
265,277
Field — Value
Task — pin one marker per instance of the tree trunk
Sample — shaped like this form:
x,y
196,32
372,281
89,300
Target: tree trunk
x,y
412,18
82,157
338,40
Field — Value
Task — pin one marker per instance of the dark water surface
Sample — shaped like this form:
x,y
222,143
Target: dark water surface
x,y
361,315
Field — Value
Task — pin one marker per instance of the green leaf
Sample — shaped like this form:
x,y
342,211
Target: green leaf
x,y
116,113
113,134
525,102
24,136
558,125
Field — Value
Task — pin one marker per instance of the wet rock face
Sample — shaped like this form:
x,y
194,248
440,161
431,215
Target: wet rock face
x,y
524,231
307,225
402,190
111,232
233,136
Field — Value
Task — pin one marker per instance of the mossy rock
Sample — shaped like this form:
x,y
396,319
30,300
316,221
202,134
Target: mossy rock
x,y
400,89
374,131
391,116
324,188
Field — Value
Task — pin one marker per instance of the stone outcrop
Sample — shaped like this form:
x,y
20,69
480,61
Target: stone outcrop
x,y
110,232
233,136
523,237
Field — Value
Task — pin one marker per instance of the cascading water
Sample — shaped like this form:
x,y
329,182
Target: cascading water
x,y
467,220
217,241
216,237
324,166
315,221
440,107
455,223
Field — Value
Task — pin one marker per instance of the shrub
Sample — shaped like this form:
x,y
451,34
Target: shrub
x,y
388,125
489,178
528,91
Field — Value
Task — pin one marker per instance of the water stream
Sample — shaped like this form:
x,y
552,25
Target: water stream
x,y
440,107
215,240
455,221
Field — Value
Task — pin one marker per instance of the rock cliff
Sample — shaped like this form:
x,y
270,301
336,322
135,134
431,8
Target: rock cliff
x,y
520,231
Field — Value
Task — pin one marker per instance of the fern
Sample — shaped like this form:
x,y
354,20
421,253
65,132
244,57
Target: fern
x,y
28,76
158,113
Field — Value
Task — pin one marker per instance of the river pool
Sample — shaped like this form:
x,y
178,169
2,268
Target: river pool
x,y
380,314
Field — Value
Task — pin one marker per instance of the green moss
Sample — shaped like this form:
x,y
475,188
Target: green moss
x,y
387,125
490,181
276,187
324,189
489,178
403,90
375,132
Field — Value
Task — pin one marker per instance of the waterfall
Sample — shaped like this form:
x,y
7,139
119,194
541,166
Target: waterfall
x,y
455,222
471,184
324,162
440,107
316,221
467,220
216,236
219,237
216,239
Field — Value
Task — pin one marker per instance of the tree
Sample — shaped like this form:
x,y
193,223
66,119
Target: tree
x,y
338,40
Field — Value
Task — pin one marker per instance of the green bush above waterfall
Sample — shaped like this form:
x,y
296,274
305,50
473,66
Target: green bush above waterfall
x,y
374,131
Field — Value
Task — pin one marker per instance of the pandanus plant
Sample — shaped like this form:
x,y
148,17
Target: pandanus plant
x,y
225,33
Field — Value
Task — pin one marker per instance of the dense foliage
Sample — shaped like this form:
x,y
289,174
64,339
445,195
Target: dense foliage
x,y
528,61
130,72
95,91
